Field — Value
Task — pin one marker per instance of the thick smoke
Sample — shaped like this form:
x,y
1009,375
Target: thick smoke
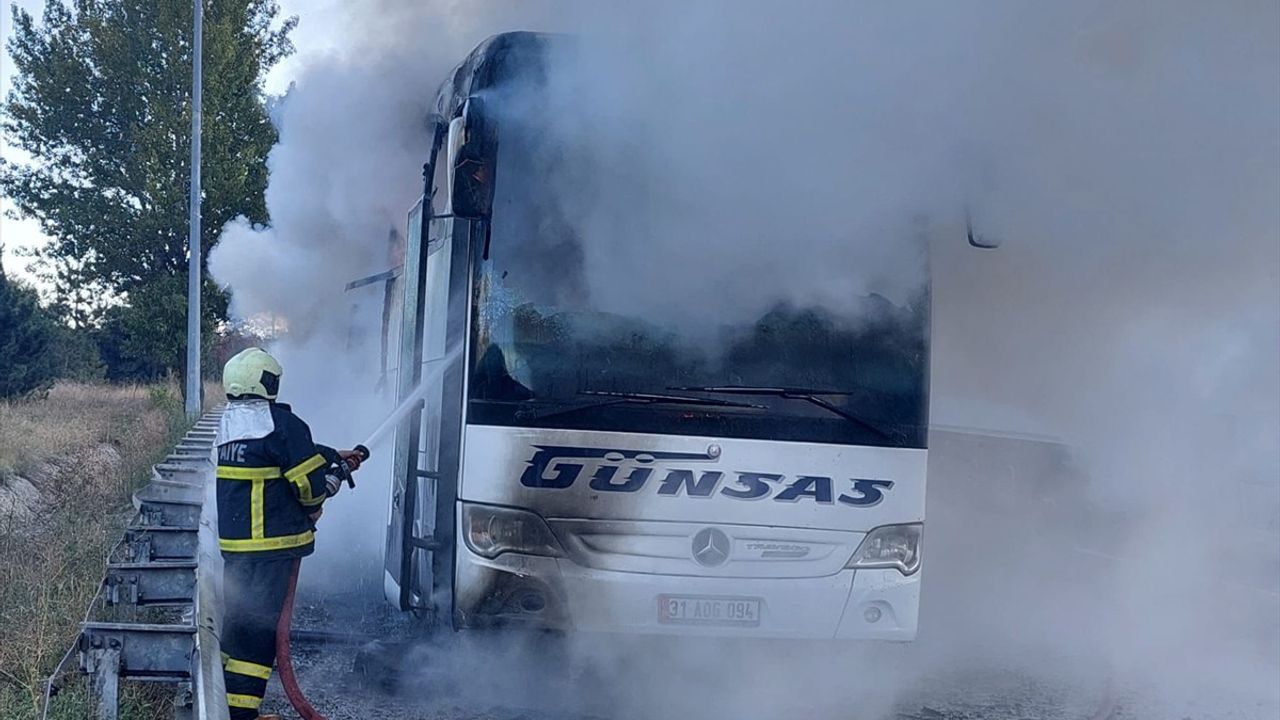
x,y
344,174
749,152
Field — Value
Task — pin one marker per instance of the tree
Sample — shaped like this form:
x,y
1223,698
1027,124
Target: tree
x,y
76,355
101,100
159,304
124,355
26,333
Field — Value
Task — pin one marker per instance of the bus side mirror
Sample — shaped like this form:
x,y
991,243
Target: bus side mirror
x,y
977,239
473,156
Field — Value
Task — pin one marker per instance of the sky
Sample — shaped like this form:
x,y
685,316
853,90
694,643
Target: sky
x,y
14,234
313,38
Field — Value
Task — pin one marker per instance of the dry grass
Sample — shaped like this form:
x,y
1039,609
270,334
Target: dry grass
x,y
76,416
83,448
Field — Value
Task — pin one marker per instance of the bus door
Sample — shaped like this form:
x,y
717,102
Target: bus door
x,y
419,557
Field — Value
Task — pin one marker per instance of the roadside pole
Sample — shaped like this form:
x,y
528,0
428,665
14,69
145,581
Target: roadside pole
x,y
193,235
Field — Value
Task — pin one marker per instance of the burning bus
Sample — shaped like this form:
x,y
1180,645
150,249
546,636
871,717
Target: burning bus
x,y
578,468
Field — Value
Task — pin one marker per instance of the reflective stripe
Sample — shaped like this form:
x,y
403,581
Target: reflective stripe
x,y
283,542
313,502
242,667
257,528
305,467
298,476
227,472
244,701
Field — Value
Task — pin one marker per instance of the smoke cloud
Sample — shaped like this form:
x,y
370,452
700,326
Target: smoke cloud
x,y
744,153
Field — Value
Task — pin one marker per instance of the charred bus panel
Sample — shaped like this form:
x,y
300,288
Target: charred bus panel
x,y
436,282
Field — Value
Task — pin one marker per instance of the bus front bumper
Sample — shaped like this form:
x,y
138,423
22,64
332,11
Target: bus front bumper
x,y
558,594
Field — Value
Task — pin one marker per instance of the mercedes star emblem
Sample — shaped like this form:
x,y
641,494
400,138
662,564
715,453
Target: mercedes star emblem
x,y
710,547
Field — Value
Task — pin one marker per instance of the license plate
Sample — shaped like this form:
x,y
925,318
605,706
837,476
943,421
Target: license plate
x,y
704,610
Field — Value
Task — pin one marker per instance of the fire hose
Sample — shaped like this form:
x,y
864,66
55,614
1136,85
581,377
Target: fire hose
x,y
284,661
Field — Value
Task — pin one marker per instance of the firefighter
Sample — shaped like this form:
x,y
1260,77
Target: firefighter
x,y
272,483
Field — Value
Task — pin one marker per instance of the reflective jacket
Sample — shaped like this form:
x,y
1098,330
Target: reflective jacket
x,y
271,478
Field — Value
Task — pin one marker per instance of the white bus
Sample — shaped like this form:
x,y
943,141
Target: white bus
x,y
574,469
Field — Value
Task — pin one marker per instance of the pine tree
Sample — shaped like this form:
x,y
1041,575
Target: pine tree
x,y
26,332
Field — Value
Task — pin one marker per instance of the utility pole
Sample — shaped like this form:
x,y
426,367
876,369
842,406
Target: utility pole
x,y
193,236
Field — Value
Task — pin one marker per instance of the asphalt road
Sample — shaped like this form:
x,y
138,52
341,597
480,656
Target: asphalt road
x,y
478,677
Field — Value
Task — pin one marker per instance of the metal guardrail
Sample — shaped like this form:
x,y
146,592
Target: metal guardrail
x,y
154,618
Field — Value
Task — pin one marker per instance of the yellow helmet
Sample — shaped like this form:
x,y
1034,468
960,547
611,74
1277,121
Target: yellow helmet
x,y
252,372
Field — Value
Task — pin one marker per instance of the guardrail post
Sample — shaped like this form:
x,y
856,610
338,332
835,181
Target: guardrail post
x,y
103,665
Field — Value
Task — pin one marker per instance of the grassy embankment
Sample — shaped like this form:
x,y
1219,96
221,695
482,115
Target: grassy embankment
x,y
68,463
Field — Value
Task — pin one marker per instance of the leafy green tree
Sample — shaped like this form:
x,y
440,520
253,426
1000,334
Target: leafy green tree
x,y
26,333
101,101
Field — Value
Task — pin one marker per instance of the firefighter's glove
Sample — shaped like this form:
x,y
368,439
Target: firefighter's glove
x,y
351,458
332,484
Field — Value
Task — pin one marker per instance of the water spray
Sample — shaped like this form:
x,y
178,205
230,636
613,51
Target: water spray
x,y
431,372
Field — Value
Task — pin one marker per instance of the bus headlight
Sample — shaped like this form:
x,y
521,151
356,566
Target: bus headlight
x,y
890,546
490,531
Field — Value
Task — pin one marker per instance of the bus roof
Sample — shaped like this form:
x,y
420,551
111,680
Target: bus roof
x,y
496,59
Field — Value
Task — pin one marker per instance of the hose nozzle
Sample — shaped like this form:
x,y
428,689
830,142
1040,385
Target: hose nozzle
x,y
344,468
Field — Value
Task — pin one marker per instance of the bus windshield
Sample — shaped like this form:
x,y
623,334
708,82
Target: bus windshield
x,y
547,352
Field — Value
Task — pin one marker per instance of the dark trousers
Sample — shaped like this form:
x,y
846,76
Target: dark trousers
x,y
254,592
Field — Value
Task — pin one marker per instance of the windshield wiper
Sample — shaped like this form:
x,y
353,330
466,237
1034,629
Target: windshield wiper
x,y
622,398
806,394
